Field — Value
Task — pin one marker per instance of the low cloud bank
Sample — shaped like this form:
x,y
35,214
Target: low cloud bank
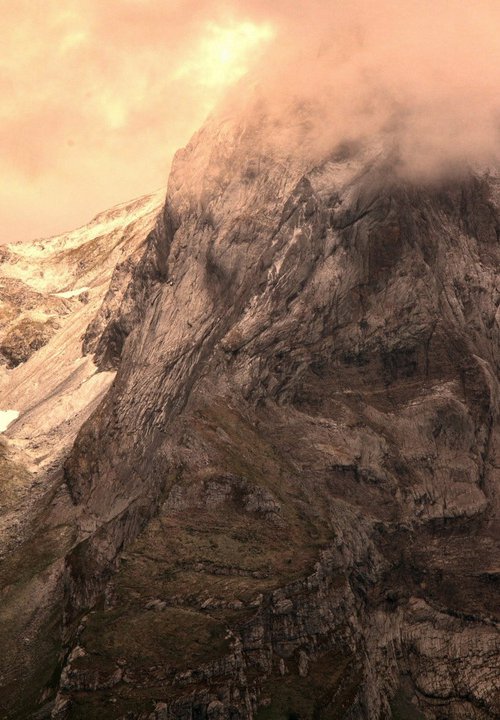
x,y
423,75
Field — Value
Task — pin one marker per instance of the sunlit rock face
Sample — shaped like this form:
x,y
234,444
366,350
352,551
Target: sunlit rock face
x,y
285,505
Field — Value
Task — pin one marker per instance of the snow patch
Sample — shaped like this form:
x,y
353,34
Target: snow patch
x,y
6,418
103,224
70,293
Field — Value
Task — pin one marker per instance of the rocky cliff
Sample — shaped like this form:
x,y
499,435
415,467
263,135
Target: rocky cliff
x,y
286,505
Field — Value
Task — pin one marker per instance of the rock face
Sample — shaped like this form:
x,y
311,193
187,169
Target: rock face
x,y
287,503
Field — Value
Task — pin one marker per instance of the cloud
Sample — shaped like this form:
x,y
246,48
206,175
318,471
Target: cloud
x,y
97,96
423,75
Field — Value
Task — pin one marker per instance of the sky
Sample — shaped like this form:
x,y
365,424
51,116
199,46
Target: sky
x,y
98,94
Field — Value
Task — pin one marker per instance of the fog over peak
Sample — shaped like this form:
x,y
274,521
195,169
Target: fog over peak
x,y
422,76
98,96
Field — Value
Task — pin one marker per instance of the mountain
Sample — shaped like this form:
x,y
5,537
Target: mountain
x,y
286,503
50,291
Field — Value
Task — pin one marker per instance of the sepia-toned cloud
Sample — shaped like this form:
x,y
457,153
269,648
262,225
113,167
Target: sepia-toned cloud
x,y
97,96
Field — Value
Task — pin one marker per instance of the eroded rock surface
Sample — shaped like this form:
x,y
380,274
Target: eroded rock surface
x,y
287,503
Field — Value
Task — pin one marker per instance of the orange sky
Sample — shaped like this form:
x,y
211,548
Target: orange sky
x,y
98,94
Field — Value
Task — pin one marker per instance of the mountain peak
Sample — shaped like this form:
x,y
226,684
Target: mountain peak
x,y
291,479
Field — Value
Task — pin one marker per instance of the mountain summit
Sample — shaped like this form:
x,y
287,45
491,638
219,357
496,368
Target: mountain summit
x,y
286,503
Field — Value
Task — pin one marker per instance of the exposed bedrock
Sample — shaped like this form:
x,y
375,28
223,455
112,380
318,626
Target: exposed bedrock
x,y
287,503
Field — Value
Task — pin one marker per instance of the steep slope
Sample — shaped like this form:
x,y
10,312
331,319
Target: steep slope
x,y
289,498
50,290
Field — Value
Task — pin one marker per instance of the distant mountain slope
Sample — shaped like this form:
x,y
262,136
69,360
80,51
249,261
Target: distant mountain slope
x,y
50,291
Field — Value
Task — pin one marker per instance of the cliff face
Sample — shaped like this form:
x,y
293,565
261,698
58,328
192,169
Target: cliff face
x,y
299,452
287,503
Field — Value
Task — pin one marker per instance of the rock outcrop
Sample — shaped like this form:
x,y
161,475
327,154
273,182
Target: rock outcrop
x,y
286,506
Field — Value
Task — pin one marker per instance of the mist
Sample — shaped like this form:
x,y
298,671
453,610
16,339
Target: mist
x,y
423,78
98,96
